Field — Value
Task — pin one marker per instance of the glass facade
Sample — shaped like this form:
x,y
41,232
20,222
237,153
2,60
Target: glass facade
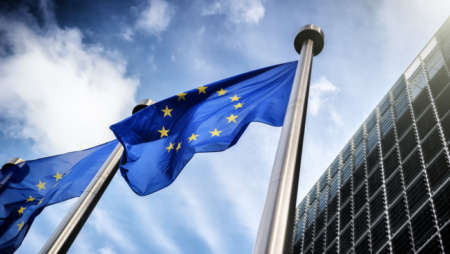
x,y
388,191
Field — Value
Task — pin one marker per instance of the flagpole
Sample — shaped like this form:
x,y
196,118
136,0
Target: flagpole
x,y
277,220
68,229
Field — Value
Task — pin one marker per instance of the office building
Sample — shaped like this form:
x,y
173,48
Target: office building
x,y
388,190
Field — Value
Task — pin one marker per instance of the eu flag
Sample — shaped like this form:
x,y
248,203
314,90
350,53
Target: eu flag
x,y
161,139
28,187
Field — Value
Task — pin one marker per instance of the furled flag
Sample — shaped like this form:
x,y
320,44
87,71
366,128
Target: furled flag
x,y
161,139
28,187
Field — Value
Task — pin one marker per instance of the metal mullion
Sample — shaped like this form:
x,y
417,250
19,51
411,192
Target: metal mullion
x,y
419,147
352,193
400,168
441,134
434,109
316,211
305,219
366,183
338,214
383,177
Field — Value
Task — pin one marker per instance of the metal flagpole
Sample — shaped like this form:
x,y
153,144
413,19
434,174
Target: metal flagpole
x,y
67,231
277,221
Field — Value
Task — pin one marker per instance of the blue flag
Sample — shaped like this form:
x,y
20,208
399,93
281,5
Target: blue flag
x,y
28,187
161,139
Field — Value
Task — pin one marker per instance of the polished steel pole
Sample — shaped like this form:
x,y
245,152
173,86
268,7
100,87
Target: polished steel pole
x,y
277,221
67,231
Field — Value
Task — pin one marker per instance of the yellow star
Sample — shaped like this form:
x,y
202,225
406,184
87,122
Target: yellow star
x,y
235,98
21,210
167,111
164,132
181,96
239,105
41,185
40,201
193,137
231,118
20,226
170,147
54,185
68,172
202,89
215,133
179,146
58,176
30,199
222,92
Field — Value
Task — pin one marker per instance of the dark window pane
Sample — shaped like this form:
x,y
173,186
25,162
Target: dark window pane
x,y
401,242
379,235
438,171
376,206
394,187
433,246
397,215
390,163
442,102
439,81
426,122
416,194
407,143
423,226
421,103
412,167
442,204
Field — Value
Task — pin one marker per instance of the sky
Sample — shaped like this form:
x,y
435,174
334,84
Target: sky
x,y
70,69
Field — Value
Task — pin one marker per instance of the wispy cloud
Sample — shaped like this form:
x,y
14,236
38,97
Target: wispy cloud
x,y
54,88
237,11
127,34
156,18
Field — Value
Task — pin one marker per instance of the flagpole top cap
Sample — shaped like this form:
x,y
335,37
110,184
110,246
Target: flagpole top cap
x,y
312,32
142,104
11,162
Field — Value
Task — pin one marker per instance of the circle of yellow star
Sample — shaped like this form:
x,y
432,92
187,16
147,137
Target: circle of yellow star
x,y
41,185
20,226
181,96
231,118
164,132
239,105
222,92
179,146
193,137
30,199
170,147
167,111
21,210
202,89
58,176
215,133
235,98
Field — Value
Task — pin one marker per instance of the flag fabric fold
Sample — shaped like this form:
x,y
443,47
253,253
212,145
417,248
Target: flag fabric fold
x,y
28,187
161,139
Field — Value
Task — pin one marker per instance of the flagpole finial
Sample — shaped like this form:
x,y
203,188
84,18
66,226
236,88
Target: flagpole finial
x,y
312,32
11,162
142,104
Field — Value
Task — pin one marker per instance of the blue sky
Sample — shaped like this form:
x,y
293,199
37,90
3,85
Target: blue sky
x,y
69,69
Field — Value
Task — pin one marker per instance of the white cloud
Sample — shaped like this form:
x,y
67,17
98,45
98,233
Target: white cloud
x,y
237,11
156,18
106,250
127,34
57,91
320,93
